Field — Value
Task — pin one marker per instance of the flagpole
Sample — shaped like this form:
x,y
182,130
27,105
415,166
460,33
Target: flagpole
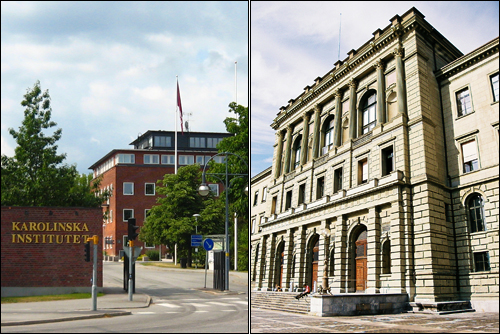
x,y
176,108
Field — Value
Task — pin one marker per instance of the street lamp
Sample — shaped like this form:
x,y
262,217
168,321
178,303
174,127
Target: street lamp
x,y
203,190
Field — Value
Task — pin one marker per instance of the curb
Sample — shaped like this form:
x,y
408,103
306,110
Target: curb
x,y
81,317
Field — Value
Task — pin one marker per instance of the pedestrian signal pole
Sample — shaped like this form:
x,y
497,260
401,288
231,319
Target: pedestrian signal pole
x,y
132,234
95,240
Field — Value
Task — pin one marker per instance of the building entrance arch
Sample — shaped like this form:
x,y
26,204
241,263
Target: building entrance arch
x,y
313,251
360,246
280,256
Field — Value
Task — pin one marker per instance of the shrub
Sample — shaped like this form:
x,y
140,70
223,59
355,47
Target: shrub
x,y
153,255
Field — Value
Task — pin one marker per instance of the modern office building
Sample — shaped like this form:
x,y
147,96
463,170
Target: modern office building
x,y
132,177
385,174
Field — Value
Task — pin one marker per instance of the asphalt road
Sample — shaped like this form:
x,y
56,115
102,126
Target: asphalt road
x,y
179,305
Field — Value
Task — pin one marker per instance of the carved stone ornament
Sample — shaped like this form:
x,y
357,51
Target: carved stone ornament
x,y
399,51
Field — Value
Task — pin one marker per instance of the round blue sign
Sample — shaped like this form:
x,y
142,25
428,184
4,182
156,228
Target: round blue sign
x,y
208,244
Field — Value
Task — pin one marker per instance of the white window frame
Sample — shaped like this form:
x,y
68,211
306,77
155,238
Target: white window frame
x,y
185,160
149,159
170,158
123,216
125,158
146,187
214,188
124,185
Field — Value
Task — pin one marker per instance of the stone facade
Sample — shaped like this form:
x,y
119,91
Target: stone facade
x,y
368,190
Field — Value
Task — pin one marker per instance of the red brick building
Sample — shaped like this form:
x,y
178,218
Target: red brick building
x,y
132,174
43,250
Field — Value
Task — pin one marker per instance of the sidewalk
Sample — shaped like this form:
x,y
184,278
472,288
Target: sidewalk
x,y
109,305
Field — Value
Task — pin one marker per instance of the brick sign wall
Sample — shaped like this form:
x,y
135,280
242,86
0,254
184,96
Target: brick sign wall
x,y
44,247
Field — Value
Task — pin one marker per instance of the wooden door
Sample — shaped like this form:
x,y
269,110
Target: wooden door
x,y
361,265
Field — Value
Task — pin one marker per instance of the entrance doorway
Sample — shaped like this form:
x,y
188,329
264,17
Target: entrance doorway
x,y
314,262
361,261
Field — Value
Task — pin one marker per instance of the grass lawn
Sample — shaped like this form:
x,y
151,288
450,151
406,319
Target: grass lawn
x,y
6,300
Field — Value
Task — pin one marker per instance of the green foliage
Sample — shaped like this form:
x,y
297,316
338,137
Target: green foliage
x,y
35,176
153,255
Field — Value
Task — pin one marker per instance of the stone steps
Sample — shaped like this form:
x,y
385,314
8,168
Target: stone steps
x,y
280,301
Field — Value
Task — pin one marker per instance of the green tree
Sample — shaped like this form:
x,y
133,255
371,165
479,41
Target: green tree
x,y
239,145
171,221
36,175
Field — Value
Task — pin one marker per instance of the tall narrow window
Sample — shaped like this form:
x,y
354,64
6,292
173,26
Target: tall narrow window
x,y
386,257
475,206
296,152
469,154
320,189
255,198
328,136
464,106
302,193
337,180
273,205
482,261
494,86
369,113
363,171
288,202
387,160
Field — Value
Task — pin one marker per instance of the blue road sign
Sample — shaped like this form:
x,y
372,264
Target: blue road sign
x,y
208,244
196,240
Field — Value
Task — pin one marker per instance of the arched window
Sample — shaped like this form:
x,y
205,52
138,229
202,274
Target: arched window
x,y
475,208
327,133
296,153
386,257
369,112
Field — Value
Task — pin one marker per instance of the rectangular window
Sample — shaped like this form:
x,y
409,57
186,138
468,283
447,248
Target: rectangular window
x,y
337,180
264,194
128,213
212,142
214,189
273,205
126,158
387,160
168,159
151,159
197,142
200,160
302,193
162,141
469,154
482,261
288,202
464,106
186,160
253,225
255,198
363,171
320,189
494,86
149,189
128,188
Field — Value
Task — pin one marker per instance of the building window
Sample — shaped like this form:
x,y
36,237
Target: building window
x,y
369,113
475,206
337,180
327,135
254,221
302,193
296,152
387,160
255,198
363,171
162,141
128,213
186,160
273,205
464,106
168,159
264,194
386,257
481,261
320,189
198,142
288,202
200,160
212,142
149,189
214,189
494,86
469,154
126,158
128,188
151,159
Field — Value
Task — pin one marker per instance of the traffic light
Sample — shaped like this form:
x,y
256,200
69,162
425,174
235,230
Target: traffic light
x,y
87,251
132,234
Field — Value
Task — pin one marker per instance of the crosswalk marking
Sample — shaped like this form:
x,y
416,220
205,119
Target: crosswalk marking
x,y
241,302
169,305
221,304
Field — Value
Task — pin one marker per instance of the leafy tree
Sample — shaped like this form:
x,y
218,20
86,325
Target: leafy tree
x,y
237,144
35,176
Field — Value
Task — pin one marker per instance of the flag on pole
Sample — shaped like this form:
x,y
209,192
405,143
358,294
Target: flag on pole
x,y
179,105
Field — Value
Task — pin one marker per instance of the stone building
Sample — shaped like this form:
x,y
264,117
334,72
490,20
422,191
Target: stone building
x,y
385,174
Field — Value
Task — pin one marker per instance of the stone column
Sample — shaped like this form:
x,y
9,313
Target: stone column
x,y
260,262
400,80
317,112
287,259
340,273
373,250
337,130
279,151
270,251
323,258
300,254
353,114
379,65
305,137
288,148
398,249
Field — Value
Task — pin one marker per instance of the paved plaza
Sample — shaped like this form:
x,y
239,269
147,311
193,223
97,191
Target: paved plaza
x,y
266,321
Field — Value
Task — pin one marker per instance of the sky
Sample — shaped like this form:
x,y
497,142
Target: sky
x,y
110,69
292,43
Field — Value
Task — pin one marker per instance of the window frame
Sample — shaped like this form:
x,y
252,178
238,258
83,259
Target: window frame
x,y
473,222
458,110
151,157
133,186
485,259
123,214
369,109
384,159
495,98
470,163
320,187
338,179
146,187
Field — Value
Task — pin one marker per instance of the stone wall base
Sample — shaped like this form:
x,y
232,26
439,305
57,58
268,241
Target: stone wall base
x,y
358,304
